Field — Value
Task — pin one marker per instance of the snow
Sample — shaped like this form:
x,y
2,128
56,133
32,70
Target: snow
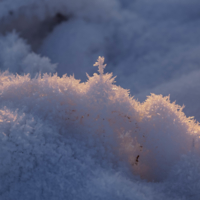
x,y
67,132
16,56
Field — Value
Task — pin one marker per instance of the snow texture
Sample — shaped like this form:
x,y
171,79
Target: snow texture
x,y
16,56
65,138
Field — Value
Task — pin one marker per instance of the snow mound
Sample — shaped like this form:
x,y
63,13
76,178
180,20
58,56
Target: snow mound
x,y
150,136
16,56
60,137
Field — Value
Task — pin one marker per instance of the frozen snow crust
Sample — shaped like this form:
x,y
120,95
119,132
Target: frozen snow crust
x,y
62,139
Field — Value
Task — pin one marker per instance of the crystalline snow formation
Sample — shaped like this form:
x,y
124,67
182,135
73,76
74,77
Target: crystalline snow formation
x,y
62,139
147,43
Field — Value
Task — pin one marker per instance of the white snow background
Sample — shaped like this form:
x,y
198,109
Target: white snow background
x,y
82,136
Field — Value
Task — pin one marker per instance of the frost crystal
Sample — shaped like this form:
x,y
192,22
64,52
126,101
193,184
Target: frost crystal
x,y
99,63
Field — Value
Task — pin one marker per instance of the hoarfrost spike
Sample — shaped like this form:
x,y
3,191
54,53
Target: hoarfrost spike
x,y
100,65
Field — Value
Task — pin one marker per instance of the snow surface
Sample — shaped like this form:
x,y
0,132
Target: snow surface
x,y
64,138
